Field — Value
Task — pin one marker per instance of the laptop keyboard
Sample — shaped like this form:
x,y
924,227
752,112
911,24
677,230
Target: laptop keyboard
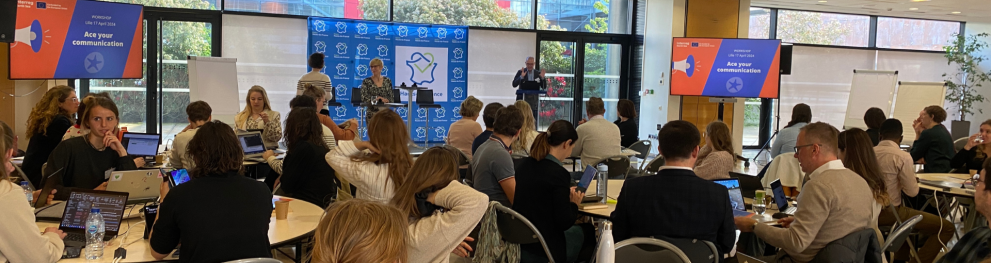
x,y
75,237
791,210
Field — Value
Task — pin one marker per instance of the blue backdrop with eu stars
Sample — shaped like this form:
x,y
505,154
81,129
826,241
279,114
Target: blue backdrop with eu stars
x,y
432,56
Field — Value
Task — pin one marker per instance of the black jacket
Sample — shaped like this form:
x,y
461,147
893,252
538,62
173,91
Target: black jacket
x,y
628,131
966,159
307,176
41,146
674,203
524,84
860,246
76,164
543,190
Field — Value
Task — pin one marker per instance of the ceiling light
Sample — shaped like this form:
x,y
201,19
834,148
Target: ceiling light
x,y
955,12
920,0
913,9
822,1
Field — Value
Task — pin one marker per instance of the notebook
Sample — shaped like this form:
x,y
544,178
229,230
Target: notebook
x,y
735,196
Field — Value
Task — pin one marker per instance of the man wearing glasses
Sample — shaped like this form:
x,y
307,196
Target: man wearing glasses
x,y
898,171
973,247
834,203
527,78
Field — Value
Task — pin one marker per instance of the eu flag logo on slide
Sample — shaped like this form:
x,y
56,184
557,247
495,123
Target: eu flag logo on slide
x,y
42,5
695,44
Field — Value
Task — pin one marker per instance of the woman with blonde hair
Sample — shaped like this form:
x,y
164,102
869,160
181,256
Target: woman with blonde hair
x,y
80,129
48,121
376,88
462,133
528,133
18,216
716,159
359,231
377,171
972,156
258,115
441,210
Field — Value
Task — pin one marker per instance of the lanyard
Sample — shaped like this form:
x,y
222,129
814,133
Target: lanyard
x,y
497,139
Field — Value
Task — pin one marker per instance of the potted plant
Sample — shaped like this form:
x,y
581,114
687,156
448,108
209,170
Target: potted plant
x,y
962,86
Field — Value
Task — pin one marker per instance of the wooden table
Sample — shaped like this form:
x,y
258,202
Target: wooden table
x,y
961,196
301,222
614,186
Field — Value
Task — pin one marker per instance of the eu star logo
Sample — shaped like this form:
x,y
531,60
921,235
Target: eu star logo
x,y
342,27
458,53
342,69
442,33
362,70
342,48
93,62
383,30
440,112
362,28
319,26
734,85
341,111
422,65
459,33
362,49
422,31
458,73
421,132
321,47
383,50
403,31
341,90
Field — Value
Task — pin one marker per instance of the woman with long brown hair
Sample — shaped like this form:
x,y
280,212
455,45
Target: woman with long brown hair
x,y
359,231
258,115
801,115
627,123
544,195
305,174
375,172
18,216
49,120
528,133
218,199
972,156
716,159
857,154
442,211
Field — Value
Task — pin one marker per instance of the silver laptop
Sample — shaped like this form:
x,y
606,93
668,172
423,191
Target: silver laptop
x,y
252,144
141,185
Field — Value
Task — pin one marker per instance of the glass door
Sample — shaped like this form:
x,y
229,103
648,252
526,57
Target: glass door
x,y
178,39
580,67
601,76
557,58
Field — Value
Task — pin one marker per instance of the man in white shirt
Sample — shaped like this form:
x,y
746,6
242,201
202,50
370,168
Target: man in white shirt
x,y
316,78
598,138
199,113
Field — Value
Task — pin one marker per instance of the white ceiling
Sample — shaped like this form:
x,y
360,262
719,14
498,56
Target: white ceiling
x,y
970,10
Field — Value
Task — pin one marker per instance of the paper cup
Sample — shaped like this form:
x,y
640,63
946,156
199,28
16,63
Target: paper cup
x,y
281,209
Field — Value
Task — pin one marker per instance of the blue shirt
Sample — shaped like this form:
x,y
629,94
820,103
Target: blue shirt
x,y
787,137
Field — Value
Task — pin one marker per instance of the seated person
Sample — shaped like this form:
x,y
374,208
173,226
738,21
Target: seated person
x,y
199,113
972,156
546,197
933,145
528,132
873,118
973,246
376,172
856,151
357,230
219,215
441,210
492,166
644,207
21,242
327,136
488,117
834,203
320,98
305,174
463,132
84,162
597,138
627,123
716,159
801,115
898,171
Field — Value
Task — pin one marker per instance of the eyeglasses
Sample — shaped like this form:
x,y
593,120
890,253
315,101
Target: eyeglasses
x,y
977,179
803,146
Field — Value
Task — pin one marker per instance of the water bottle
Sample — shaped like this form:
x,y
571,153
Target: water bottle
x,y
602,186
94,235
607,249
760,206
28,192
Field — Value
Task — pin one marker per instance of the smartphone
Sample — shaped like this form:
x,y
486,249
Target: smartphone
x,y
176,177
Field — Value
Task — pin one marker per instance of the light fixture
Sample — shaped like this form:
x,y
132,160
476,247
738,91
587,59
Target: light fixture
x,y
920,0
914,8
955,12
822,1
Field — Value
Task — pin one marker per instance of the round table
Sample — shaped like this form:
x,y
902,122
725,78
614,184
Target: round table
x,y
301,222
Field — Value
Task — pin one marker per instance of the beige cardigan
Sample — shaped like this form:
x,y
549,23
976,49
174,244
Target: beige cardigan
x,y
433,238
20,240
712,165
272,129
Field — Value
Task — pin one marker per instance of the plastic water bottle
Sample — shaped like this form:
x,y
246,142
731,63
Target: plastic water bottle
x,y
607,250
28,192
94,235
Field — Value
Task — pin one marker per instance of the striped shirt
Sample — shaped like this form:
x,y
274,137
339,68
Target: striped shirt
x,y
319,80
372,180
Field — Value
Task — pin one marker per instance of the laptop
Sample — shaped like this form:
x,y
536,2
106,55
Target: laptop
x,y
735,196
584,183
176,177
269,146
142,145
111,205
252,144
781,199
141,185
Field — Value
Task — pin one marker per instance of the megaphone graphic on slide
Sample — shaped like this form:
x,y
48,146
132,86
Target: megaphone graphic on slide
x,y
31,36
687,65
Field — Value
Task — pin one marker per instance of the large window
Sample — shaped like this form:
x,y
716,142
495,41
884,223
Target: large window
x,y
596,16
760,23
352,9
823,28
188,4
485,13
903,33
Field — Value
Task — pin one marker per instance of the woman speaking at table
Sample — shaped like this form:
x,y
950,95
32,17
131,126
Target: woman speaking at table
x,y
376,88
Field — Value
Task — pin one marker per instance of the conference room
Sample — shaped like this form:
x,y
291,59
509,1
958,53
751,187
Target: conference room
x,y
575,120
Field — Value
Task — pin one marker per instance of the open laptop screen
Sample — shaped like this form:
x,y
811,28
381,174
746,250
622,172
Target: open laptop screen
x,y
252,143
779,195
735,194
111,205
590,172
140,144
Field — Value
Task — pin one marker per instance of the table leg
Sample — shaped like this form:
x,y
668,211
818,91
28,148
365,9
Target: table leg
x,y
299,252
968,222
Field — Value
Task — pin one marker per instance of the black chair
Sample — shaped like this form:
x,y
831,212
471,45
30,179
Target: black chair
x,y
356,103
515,228
644,250
397,96
898,236
642,147
748,183
698,251
654,165
425,100
616,166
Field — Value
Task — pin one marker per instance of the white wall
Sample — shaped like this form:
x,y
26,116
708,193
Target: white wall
x,y
496,56
664,17
978,118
